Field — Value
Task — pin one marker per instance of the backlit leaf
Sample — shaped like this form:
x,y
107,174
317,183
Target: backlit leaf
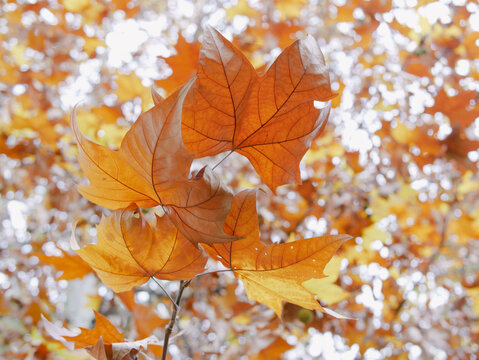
x,y
129,252
103,328
272,274
152,168
270,119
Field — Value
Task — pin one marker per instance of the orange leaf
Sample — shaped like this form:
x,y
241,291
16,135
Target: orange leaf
x,y
144,317
461,108
102,342
152,167
274,273
129,252
269,119
73,266
183,64
273,351
103,328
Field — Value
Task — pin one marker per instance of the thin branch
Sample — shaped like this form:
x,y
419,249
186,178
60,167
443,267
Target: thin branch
x,y
227,155
171,324
164,290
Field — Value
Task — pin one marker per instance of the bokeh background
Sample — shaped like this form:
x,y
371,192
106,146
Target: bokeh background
x,y
396,167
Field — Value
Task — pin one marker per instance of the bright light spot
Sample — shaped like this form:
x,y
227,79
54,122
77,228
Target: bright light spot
x,y
142,297
240,22
435,11
415,352
320,104
357,140
186,8
329,346
317,226
439,297
372,354
367,299
474,22
17,213
125,39
463,67
408,17
473,155
47,16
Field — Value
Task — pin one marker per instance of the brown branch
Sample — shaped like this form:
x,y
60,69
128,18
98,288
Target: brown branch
x,y
171,324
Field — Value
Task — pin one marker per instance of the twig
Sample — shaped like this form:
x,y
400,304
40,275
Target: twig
x,y
164,290
171,324
227,155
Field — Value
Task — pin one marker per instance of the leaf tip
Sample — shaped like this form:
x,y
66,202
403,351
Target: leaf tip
x,y
73,240
157,98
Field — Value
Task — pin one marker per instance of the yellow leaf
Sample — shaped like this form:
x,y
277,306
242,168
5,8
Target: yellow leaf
x,y
130,87
290,9
474,295
75,5
91,44
18,53
275,273
324,288
241,8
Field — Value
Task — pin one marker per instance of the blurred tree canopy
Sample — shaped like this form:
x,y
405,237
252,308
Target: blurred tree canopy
x,y
396,167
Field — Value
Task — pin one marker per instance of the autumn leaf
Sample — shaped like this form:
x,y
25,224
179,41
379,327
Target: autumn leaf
x,y
152,168
103,328
145,319
129,251
273,351
290,9
130,87
270,119
75,5
73,266
183,64
272,274
98,350
104,342
461,108
123,350
325,288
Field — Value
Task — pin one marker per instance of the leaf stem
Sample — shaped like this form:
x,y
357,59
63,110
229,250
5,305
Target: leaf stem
x,y
171,324
164,290
227,155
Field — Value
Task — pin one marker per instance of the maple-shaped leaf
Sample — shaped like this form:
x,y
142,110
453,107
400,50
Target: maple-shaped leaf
x,y
73,266
103,342
183,64
129,251
270,119
123,350
461,108
325,288
272,274
103,328
152,168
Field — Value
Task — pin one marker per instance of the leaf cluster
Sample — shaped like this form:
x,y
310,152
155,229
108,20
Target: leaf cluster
x,y
270,119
